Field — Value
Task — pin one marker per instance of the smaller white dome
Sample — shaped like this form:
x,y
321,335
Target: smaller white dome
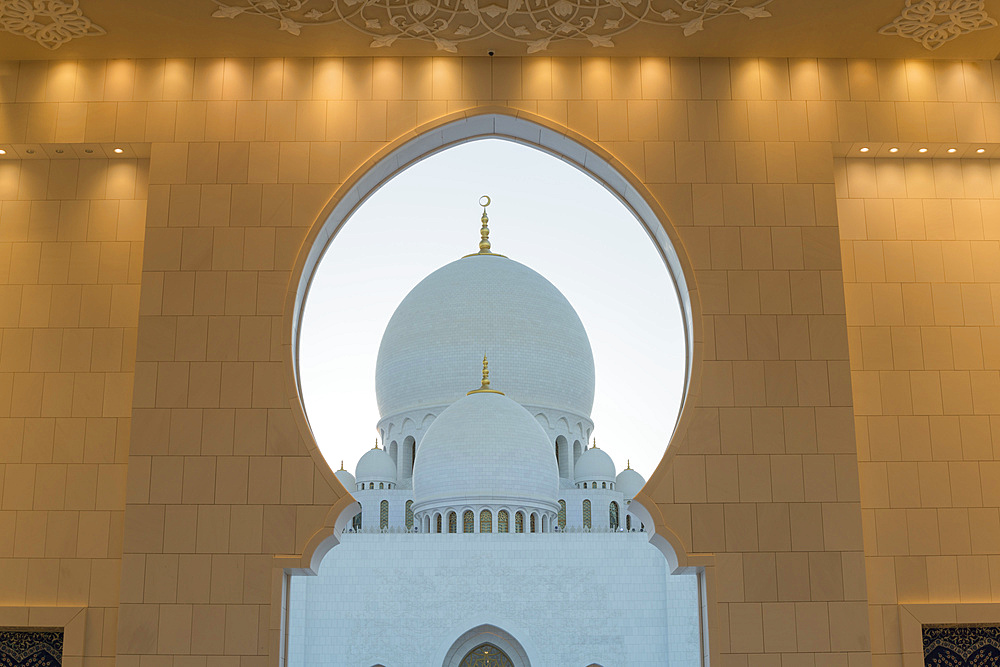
x,y
595,465
376,466
345,477
485,449
629,482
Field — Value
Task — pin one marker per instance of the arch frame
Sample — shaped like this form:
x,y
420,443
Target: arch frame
x,y
521,127
575,149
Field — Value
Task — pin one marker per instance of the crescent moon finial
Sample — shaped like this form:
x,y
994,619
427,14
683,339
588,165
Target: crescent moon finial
x,y
484,233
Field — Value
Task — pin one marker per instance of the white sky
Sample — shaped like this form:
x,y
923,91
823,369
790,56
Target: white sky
x,y
545,214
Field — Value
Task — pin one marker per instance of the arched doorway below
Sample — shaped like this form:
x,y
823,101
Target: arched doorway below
x,y
486,655
486,646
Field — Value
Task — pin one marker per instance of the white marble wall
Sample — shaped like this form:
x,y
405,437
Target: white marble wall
x,y
569,599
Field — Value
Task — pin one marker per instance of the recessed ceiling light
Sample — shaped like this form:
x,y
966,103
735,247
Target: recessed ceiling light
x,y
119,150
30,151
59,150
2,152
893,150
88,150
980,150
952,150
864,149
922,150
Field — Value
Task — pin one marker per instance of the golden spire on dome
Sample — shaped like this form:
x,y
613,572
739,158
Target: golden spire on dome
x,y
485,388
376,443
628,464
484,232
341,464
595,444
484,242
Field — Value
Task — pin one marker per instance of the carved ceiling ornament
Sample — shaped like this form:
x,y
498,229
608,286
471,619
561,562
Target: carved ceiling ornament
x,y
534,23
51,23
934,22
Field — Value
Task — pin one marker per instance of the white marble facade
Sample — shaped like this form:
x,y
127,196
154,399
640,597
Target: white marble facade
x,y
570,600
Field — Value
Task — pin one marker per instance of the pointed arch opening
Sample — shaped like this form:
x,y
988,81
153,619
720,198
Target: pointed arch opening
x,y
535,134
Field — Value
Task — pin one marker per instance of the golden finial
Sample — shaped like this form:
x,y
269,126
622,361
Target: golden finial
x,y
595,444
484,233
341,464
485,388
376,443
484,242
628,464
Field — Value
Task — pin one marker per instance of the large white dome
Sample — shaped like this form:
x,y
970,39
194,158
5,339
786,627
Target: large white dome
x,y
485,450
485,304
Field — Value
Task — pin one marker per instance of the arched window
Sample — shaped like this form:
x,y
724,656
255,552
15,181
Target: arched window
x,y
562,515
604,485
383,515
519,522
485,521
534,523
439,523
468,522
409,514
452,522
586,514
614,515
381,485
371,485
585,485
356,521
628,522
503,521
486,654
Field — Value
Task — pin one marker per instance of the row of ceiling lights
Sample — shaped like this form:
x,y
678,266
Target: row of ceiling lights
x,y
865,149
31,151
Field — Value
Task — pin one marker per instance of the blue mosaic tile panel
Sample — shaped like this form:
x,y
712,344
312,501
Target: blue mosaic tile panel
x,y
961,646
28,647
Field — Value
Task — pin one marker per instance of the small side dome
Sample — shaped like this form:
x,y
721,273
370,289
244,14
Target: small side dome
x,y
376,466
595,465
345,477
629,482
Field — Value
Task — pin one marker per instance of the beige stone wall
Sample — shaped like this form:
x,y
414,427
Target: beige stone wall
x,y
764,470
921,248
71,245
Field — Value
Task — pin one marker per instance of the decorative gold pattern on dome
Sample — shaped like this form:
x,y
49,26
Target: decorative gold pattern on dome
x,y
485,388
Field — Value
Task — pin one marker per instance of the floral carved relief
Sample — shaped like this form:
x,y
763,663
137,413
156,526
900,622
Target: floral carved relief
x,y
51,23
934,22
533,23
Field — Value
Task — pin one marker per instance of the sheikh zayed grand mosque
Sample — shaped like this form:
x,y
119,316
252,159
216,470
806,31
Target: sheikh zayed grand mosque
x,y
486,509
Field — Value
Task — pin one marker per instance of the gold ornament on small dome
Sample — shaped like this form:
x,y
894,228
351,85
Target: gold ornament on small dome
x,y
485,388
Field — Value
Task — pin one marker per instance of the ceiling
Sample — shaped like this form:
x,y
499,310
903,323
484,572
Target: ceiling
x,y
793,28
